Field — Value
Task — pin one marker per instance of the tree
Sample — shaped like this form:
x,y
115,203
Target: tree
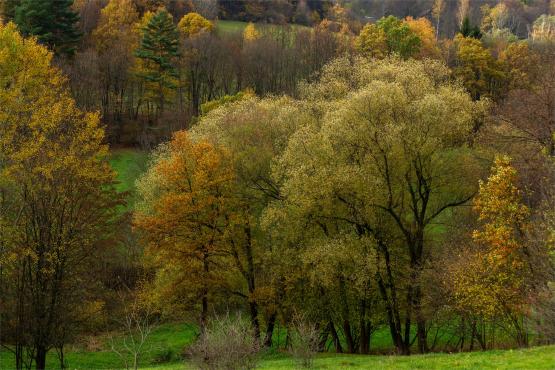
x,y
57,202
7,9
544,28
53,22
194,23
462,11
389,35
422,28
250,33
482,75
158,49
527,116
469,30
371,41
115,40
399,37
185,211
254,131
492,279
383,161
437,10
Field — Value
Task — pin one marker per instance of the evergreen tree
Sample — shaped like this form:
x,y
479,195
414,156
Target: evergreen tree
x,y
51,21
157,50
469,30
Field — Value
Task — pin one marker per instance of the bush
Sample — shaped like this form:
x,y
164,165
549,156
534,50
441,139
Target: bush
x,y
228,343
304,341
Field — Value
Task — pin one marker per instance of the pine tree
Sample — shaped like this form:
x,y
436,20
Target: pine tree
x,y
469,30
158,48
51,21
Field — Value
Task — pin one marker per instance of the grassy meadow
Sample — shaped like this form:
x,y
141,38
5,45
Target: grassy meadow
x,y
164,350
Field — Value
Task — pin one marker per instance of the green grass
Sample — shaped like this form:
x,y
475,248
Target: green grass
x,y
129,164
223,27
230,26
534,358
166,338
172,338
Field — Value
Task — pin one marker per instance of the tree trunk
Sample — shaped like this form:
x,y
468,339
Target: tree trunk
x,y
40,358
270,330
253,308
204,310
349,336
364,338
336,340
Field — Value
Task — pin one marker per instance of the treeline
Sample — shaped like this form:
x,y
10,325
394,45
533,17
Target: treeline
x,y
106,48
115,67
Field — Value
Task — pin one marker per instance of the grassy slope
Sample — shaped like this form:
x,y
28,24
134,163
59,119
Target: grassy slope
x,y
171,338
230,26
129,164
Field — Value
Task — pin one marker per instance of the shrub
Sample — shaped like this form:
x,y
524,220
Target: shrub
x,y
304,341
228,343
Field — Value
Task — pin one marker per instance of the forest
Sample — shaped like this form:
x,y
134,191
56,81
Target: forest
x,y
285,184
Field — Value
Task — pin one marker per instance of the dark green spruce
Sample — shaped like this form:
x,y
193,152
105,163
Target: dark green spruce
x,y
53,22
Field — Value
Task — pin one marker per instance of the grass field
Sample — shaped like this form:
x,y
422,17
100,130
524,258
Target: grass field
x,y
238,27
165,346
230,26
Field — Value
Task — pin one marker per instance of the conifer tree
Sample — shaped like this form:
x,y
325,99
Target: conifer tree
x,y
158,48
469,30
51,21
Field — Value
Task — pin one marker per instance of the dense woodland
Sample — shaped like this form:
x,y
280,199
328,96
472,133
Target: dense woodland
x,y
332,168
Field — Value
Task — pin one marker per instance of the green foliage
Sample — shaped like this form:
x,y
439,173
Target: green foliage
x,y
53,22
158,49
400,38
469,30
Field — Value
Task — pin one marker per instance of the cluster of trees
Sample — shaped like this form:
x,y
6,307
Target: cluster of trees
x,y
393,180
149,66
360,205
137,64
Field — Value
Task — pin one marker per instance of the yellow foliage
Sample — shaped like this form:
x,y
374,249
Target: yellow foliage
x,y
423,28
251,33
115,26
480,73
193,23
372,41
183,215
54,178
488,280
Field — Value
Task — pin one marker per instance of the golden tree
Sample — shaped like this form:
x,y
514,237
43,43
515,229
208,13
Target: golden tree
x,y
193,23
183,217
57,199
490,280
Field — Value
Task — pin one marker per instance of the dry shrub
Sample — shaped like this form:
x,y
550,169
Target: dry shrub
x,y
227,344
304,341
